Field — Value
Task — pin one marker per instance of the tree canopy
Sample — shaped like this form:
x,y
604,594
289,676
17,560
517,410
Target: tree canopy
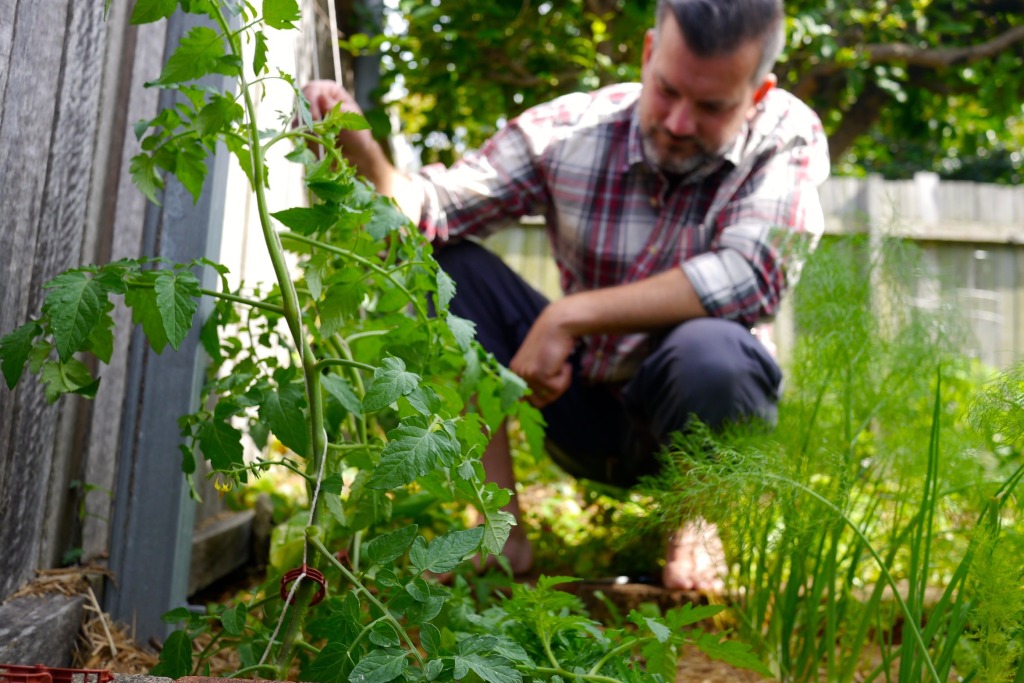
x,y
901,85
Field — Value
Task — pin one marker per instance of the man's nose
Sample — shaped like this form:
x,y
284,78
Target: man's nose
x,y
680,121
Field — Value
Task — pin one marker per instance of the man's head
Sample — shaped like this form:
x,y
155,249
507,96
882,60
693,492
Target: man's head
x,y
706,64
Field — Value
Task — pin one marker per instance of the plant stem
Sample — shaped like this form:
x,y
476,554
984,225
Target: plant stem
x,y
625,647
418,305
569,675
271,308
293,316
359,588
328,362
251,669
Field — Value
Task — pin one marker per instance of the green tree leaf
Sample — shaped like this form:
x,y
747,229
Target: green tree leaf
x,y
280,13
15,349
147,11
283,411
197,54
221,445
413,450
444,553
384,634
101,340
389,547
380,666
390,381
175,657
73,307
176,294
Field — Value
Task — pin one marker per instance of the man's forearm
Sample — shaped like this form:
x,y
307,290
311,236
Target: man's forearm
x,y
661,301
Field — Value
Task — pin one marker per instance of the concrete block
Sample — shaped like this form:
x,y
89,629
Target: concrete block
x,y
40,629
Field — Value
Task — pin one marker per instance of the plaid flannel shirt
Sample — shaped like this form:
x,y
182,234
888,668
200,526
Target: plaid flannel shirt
x,y
739,226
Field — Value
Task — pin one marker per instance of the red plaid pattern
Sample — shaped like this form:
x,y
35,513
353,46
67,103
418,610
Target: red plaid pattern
x,y
739,226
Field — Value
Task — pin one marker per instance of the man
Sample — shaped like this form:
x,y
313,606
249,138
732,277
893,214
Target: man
x,y
677,210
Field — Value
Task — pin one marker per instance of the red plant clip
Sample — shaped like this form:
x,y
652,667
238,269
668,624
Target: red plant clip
x,y
308,572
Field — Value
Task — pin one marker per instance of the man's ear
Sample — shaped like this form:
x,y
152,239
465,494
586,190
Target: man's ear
x,y
649,38
767,84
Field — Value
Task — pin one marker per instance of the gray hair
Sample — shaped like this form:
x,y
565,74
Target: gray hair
x,y
718,27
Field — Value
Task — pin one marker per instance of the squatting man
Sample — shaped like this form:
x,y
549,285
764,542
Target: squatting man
x,y
676,208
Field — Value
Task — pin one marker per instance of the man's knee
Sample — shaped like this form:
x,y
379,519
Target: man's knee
x,y
712,368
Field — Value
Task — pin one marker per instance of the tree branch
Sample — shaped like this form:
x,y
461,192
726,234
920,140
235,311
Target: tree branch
x,y
932,58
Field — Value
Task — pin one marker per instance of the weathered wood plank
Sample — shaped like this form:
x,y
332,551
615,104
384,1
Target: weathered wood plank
x,y
220,545
63,226
27,424
134,56
40,629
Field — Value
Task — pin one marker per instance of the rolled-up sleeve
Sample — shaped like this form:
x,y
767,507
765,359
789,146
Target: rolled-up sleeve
x,y
485,189
764,227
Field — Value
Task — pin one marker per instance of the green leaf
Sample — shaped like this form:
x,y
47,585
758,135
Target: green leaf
x,y
233,619
197,55
380,666
176,615
732,652
101,340
142,301
340,304
144,174
73,306
259,59
679,617
217,115
383,634
190,167
280,13
71,377
338,388
463,330
330,666
175,657
433,668
15,349
445,290
444,553
413,450
491,669
148,11
333,484
221,445
307,220
390,381
283,411
389,547
430,639
176,299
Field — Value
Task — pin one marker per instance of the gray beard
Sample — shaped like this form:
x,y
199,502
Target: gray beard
x,y
674,166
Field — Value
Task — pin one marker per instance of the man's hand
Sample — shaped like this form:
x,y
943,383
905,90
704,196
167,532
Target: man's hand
x,y
542,360
360,149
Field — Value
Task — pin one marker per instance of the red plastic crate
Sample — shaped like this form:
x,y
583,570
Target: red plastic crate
x,y
17,673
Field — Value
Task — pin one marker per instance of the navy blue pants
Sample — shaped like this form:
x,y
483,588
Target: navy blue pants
x,y
708,367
